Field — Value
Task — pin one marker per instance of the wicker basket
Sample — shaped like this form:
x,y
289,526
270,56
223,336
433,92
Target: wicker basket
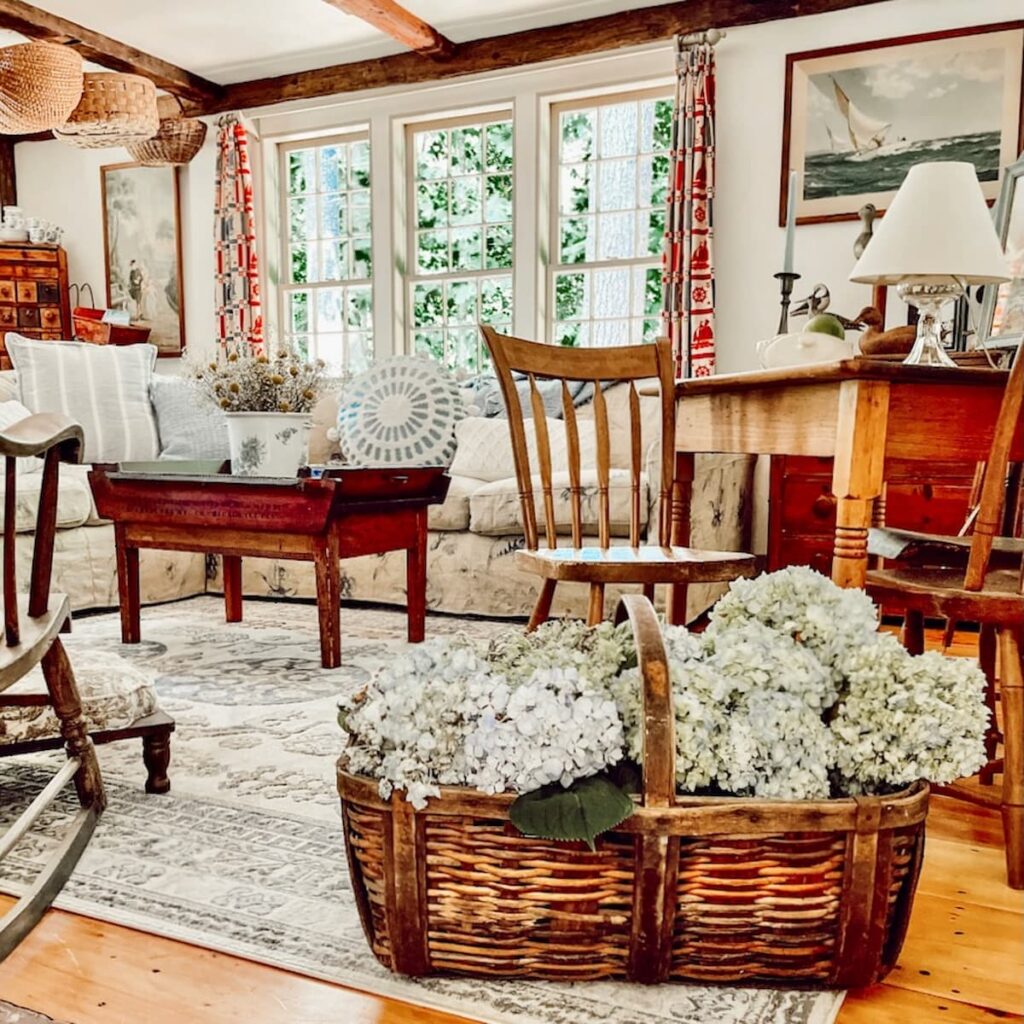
x,y
177,142
797,894
115,110
40,84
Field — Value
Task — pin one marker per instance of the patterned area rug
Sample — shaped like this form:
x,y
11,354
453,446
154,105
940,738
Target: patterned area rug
x,y
11,1014
244,855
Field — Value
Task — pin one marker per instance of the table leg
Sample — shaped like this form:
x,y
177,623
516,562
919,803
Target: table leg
x,y
858,474
416,581
231,566
128,588
328,599
682,499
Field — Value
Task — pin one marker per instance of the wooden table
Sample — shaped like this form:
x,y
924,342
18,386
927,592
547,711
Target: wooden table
x,y
866,413
341,515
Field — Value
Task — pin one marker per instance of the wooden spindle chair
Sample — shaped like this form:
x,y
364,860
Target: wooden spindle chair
x,y
990,591
636,563
32,624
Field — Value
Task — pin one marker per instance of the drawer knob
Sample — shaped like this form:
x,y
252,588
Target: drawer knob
x,y
824,505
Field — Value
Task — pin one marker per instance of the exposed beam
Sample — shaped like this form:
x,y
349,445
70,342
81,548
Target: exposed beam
x,y
403,26
594,35
100,49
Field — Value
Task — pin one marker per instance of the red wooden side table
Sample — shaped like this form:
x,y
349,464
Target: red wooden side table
x,y
341,514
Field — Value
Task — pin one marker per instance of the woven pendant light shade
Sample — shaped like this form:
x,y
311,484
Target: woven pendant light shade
x,y
115,110
40,84
177,142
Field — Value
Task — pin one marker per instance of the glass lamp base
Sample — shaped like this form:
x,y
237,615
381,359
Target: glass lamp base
x,y
929,300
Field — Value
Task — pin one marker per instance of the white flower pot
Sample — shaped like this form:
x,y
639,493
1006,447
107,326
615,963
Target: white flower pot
x,y
268,443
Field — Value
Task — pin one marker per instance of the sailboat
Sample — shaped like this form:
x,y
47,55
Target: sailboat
x,y
866,134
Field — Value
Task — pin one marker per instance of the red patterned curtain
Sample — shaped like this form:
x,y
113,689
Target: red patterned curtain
x,y
238,312
689,269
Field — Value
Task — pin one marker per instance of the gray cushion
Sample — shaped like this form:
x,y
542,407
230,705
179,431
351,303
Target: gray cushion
x,y
190,428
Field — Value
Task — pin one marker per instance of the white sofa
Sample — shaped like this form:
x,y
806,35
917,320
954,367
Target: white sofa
x,y
472,539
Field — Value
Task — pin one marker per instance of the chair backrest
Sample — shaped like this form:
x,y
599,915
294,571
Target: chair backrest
x,y
596,366
990,520
57,439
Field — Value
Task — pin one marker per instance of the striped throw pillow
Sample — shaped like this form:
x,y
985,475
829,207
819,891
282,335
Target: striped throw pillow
x,y
105,388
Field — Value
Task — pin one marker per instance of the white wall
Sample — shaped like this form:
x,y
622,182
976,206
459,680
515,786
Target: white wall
x,y
63,184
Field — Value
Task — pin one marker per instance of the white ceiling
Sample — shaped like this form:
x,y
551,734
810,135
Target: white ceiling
x,y
235,40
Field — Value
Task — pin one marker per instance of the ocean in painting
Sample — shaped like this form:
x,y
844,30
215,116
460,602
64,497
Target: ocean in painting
x,y
843,174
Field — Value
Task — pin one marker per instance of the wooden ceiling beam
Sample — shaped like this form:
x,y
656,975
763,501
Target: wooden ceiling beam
x,y
556,42
403,26
100,49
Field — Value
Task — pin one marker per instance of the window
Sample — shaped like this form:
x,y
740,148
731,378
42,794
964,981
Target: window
x,y
326,290
611,166
460,236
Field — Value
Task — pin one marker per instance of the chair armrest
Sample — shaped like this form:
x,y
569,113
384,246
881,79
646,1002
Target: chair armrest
x,y
37,434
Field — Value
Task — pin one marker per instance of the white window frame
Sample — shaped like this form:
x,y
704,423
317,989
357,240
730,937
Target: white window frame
x,y
412,276
285,285
554,266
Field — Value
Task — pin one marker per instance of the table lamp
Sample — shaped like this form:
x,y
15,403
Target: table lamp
x,y
936,238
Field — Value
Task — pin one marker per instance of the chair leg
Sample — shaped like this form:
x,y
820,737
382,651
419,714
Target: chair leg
x,y
987,663
542,609
913,632
156,755
1012,697
595,611
60,682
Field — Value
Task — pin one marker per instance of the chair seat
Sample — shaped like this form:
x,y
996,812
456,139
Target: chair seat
x,y
931,549
36,635
939,593
636,565
115,694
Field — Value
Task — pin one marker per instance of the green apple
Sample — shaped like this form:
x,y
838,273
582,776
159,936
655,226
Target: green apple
x,y
825,323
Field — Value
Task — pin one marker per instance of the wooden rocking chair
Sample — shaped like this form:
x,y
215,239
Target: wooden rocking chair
x,y
987,587
646,565
32,624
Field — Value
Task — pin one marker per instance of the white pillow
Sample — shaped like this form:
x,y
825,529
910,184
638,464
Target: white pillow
x,y
484,447
105,388
11,413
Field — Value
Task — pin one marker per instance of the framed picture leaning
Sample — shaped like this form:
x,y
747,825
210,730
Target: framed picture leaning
x,y
857,118
1002,310
142,250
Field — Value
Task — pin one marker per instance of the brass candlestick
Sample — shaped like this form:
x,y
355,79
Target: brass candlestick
x,y
785,279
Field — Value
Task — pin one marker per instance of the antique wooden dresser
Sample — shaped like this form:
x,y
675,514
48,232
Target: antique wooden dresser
x,y
33,294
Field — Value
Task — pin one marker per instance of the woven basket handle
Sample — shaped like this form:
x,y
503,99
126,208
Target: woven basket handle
x,y
659,750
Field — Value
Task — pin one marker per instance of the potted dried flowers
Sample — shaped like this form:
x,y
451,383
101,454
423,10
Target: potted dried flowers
x,y
268,404
784,752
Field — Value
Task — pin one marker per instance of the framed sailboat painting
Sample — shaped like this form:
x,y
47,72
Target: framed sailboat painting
x,y
857,118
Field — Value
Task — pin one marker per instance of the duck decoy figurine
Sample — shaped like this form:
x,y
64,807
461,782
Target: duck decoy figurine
x,y
875,341
817,303
867,214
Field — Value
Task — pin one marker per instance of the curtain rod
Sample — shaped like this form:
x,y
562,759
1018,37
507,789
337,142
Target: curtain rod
x,y
711,36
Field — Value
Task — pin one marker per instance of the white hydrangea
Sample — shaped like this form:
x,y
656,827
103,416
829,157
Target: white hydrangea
x,y
408,727
554,727
803,604
906,718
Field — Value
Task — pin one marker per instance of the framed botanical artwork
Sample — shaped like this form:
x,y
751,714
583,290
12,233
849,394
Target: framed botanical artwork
x,y
1002,309
142,250
857,118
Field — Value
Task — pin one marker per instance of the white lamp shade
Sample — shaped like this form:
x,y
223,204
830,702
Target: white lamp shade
x,y
938,228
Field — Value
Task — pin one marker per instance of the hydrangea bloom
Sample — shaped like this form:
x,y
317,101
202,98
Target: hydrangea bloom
x,y
554,727
790,694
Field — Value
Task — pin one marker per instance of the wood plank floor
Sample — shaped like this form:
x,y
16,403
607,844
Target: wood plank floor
x,y
963,962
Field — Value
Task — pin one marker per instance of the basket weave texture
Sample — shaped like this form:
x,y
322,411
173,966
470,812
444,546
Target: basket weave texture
x,y
40,84
813,894
115,109
177,142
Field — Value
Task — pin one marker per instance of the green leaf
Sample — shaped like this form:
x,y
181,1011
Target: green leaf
x,y
582,811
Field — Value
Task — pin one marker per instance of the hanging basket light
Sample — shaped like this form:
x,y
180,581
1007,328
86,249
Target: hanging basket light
x,y
177,142
115,110
40,85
